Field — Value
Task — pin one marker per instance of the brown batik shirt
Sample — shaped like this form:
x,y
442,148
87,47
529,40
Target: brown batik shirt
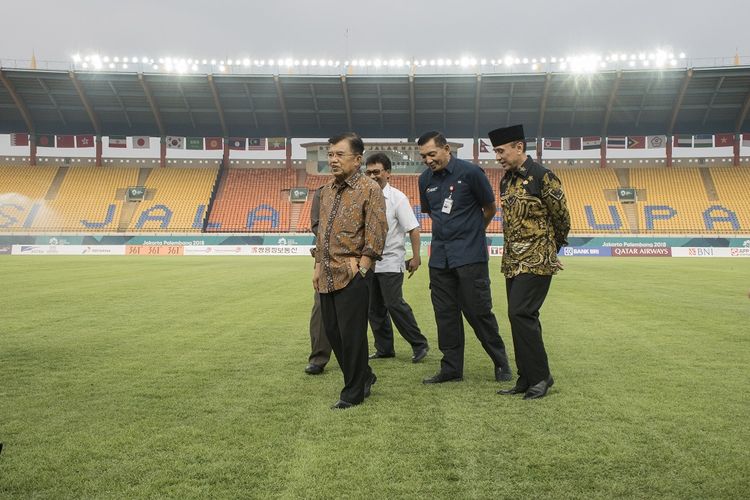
x,y
536,220
352,224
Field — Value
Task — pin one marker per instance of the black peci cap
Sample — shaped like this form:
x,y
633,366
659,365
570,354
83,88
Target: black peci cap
x,y
505,135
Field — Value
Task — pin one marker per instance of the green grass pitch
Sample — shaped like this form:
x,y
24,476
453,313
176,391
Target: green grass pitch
x,y
183,377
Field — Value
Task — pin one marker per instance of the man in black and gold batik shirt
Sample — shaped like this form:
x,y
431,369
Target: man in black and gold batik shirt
x,y
535,226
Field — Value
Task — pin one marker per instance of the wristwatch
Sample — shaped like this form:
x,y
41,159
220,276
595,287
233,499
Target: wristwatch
x,y
363,271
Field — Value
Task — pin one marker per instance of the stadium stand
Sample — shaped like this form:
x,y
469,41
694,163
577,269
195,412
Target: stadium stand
x,y
674,200
591,210
21,188
733,191
678,200
253,199
179,202
87,200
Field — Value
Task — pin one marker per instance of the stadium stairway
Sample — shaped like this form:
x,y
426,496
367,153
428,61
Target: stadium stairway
x,y
708,184
54,188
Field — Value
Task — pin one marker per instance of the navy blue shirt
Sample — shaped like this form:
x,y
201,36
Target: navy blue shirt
x,y
458,238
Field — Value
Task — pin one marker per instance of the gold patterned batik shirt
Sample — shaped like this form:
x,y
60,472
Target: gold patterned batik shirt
x,y
352,224
535,220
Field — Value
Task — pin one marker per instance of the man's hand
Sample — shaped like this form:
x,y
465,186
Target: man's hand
x,y
414,264
560,264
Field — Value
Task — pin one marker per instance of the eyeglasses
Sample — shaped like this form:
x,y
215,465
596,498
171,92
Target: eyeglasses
x,y
374,172
339,155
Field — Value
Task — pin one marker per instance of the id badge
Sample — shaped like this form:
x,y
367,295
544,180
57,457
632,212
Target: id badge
x,y
447,205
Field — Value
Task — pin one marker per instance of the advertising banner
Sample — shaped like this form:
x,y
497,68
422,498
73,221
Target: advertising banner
x,y
641,252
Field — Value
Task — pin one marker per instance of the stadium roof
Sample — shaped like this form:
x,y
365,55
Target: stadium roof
x,y
637,102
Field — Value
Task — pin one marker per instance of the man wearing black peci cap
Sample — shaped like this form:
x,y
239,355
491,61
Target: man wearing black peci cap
x,y
535,226
461,204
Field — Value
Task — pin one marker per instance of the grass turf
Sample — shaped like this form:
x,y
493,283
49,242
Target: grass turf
x,y
144,377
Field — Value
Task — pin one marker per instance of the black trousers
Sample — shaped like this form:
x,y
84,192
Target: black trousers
x,y
387,303
526,294
466,290
345,322
320,348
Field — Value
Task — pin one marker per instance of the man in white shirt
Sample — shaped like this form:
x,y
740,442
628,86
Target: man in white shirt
x,y
386,298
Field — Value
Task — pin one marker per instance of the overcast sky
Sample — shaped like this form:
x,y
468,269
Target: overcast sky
x,y
392,28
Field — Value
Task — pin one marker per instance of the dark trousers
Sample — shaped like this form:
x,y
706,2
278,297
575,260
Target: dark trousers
x,y
526,294
320,348
345,321
466,290
387,303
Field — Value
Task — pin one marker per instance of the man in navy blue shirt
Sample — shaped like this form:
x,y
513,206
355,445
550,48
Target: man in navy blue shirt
x,y
461,204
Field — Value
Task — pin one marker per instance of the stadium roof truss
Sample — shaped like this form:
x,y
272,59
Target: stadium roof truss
x,y
638,102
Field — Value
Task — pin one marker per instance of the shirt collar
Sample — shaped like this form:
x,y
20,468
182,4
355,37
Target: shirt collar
x,y
350,181
523,170
448,168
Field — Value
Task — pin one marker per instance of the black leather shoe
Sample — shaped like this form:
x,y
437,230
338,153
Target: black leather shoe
x,y
441,377
539,390
341,405
369,384
313,369
503,374
381,355
516,389
420,354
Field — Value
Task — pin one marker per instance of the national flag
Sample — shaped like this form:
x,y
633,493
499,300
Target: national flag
x,y
214,143
683,141
617,142
84,141
656,141
636,142
66,141
117,141
276,143
571,143
174,142
531,144
552,143
45,141
703,141
19,139
591,142
483,147
722,140
237,143
256,144
746,140
141,142
195,143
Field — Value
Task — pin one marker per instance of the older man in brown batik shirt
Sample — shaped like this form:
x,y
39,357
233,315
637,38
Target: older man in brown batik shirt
x,y
351,237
